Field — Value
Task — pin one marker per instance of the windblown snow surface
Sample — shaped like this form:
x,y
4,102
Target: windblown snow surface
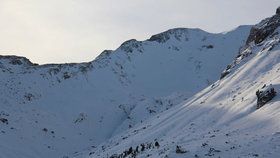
x,y
165,89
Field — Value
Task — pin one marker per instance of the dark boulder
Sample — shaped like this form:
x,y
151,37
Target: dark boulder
x,y
224,74
129,151
45,129
157,144
66,75
278,10
4,120
179,150
142,147
264,95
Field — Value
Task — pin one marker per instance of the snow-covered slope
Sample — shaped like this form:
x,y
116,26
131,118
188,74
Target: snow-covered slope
x,y
220,121
57,109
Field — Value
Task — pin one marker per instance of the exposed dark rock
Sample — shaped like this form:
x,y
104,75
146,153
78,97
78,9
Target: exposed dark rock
x,y
130,150
226,71
178,33
256,155
264,29
264,95
45,129
142,147
212,152
29,96
157,144
160,38
224,74
131,45
4,120
132,153
179,150
204,144
210,46
66,75
17,60
82,116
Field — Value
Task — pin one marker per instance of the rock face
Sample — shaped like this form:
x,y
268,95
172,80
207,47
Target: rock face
x,y
278,10
261,31
178,34
267,28
16,60
264,95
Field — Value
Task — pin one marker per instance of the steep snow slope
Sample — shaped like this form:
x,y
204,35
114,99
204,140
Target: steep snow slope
x,y
55,110
221,120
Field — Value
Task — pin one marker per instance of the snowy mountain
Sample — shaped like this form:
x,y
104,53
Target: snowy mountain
x,y
222,120
56,110
181,93
173,95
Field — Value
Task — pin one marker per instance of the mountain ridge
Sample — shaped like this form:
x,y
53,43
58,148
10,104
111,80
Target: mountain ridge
x,y
162,34
51,106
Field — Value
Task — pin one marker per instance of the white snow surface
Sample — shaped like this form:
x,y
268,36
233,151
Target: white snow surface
x,y
220,121
144,90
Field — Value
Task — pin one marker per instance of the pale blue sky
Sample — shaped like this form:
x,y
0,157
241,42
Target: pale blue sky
x,y
58,31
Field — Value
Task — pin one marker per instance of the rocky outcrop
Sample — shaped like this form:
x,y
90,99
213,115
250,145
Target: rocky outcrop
x,y
131,45
258,33
264,29
16,60
180,34
264,95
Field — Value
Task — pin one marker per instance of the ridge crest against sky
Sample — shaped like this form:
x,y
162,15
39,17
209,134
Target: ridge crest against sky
x,y
59,31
